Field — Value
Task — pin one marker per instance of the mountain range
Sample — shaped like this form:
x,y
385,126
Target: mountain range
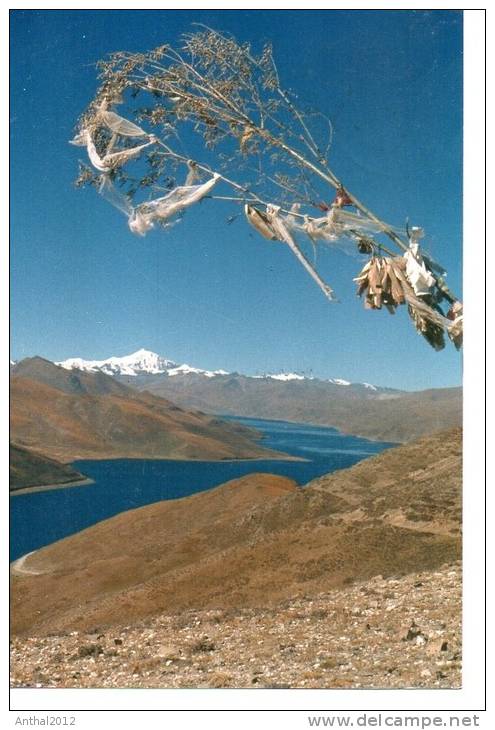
x,y
255,541
147,363
361,409
71,414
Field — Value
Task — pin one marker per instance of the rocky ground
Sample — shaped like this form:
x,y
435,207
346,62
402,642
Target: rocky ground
x,y
381,633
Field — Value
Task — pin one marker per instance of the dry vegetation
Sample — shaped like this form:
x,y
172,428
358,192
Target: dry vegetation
x,y
387,633
250,542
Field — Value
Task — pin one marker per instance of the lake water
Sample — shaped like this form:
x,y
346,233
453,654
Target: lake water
x,y
40,518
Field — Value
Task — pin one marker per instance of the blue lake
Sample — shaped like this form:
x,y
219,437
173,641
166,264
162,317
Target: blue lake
x,y
40,518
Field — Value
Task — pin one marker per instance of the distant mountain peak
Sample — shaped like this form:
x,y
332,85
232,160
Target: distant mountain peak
x,y
145,362
287,376
141,361
142,352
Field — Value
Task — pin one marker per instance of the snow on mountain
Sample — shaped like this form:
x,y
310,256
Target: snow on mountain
x,y
142,361
77,363
188,370
138,363
286,376
145,362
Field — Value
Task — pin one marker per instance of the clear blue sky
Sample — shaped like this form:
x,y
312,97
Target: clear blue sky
x,y
218,296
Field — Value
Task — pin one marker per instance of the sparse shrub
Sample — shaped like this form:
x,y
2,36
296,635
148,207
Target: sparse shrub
x,y
329,663
219,680
89,650
203,645
319,613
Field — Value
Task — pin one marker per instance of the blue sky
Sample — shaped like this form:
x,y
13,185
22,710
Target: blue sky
x,y
214,295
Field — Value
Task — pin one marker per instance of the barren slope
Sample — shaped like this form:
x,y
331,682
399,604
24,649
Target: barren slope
x,y
382,633
29,469
69,415
252,542
384,415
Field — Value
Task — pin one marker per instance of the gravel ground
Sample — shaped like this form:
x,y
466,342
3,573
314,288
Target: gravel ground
x,y
383,633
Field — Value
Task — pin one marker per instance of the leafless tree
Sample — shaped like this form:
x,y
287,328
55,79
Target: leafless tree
x,y
214,107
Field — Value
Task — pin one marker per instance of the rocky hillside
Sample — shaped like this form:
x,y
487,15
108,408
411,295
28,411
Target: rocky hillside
x,y
395,632
69,415
250,543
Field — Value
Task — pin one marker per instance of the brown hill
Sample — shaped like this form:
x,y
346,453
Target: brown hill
x,y
29,469
70,415
250,543
382,414
74,382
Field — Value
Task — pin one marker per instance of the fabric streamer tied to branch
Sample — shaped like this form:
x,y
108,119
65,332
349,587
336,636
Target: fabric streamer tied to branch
x,y
218,91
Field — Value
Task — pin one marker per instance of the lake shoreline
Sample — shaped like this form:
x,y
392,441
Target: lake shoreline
x,y
315,424
51,512
88,480
47,487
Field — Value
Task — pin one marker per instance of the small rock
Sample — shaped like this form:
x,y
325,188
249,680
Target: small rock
x,y
415,634
436,645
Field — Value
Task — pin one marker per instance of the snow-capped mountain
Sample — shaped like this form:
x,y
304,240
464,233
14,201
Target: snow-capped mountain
x,y
144,362
283,376
188,370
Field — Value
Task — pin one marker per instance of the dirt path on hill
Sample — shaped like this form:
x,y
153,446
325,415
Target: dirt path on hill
x,y
17,567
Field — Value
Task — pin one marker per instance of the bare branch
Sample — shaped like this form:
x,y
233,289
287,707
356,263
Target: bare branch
x,y
216,100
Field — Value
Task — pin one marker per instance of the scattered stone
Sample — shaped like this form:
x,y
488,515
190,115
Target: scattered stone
x,y
435,646
415,635
277,647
